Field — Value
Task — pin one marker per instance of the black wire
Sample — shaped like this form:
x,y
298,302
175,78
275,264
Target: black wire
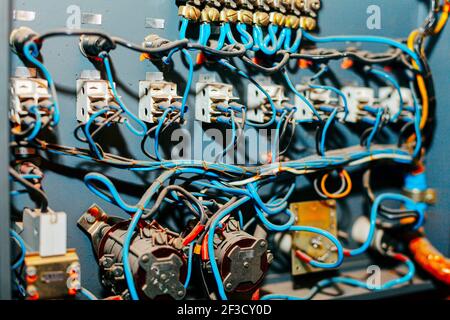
x,y
43,200
388,213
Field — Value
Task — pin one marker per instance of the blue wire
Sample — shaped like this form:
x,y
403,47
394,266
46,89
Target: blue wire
x,y
275,139
287,43
375,128
301,96
325,129
183,28
87,294
205,33
349,281
234,135
19,240
31,52
366,39
329,236
119,101
338,92
222,36
158,131
189,266
258,38
88,135
246,37
37,123
273,227
188,57
394,82
373,217
114,196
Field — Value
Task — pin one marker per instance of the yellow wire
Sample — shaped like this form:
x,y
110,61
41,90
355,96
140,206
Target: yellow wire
x,y
443,18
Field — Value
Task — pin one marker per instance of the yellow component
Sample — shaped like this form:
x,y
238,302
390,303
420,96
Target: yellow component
x,y
318,214
52,277
144,56
443,18
197,249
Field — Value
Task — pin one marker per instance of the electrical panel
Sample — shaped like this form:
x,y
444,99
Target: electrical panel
x,y
214,150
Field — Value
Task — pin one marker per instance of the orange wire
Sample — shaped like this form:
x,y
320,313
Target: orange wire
x,y
348,181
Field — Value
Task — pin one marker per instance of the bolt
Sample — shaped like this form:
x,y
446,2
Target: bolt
x,y
269,258
90,218
262,244
180,293
163,276
229,285
246,264
145,258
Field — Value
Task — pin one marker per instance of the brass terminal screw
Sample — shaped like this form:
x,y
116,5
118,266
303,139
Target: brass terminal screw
x,y
277,18
189,12
228,15
245,16
210,14
261,19
292,22
308,23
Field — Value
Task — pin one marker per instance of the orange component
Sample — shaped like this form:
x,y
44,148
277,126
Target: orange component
x,y
255,295
201,58
205,255
193,234
256,60
145,56
408,220
114,298
72,292
304,64
345,193
430,259
31,279
94,211
347,63
33,297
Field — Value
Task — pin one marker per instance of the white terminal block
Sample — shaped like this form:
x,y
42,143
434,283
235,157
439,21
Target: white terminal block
x,y
303,112
257,102
210,94
93,94
45,233
357,98
155,92
389,99
27,90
